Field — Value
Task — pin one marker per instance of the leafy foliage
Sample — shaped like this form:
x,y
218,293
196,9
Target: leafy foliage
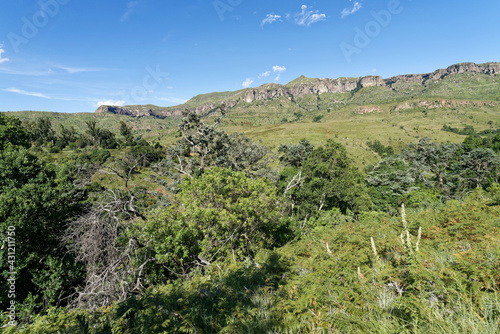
x,y
446,170
126,132
203,146
295,154
218,215
37,204
11,132
335,279
328,180
390,182
381,150
229,248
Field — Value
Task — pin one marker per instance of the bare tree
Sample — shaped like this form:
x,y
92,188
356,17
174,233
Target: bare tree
x,y
114,260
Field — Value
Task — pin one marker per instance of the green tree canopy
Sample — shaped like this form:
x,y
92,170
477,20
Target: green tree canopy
x,y
328,179
36,204
12,132
219,214
295,154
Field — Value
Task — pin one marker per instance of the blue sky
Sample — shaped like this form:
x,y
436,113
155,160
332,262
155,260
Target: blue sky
x,y
71,56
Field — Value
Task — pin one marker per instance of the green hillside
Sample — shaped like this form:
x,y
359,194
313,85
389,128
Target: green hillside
x,y
150,128
395,116
371,211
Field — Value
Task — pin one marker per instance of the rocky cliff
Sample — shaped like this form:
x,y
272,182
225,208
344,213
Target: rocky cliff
x,y
301,87
128,110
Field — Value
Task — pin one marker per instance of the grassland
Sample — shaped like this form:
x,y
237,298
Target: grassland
x,y
395,116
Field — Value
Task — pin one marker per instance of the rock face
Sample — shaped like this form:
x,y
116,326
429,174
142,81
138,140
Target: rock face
x,y
367,109
310,87
489,69
140,111
433,104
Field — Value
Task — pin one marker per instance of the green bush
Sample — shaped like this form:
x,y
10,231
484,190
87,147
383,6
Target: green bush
x,y
217,215
317,118
364,276
99,156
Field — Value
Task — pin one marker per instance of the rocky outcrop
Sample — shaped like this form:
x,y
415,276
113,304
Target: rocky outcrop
x,y
305,86
129,111
488,69
433,104
367,110
371,81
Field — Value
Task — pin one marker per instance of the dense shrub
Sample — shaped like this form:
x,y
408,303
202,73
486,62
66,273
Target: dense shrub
x,y
346,276
217,215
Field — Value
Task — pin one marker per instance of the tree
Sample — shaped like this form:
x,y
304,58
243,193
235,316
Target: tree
x,y
203,146
69,135
12,132
328,180
380,149
495,143
100,238
240,153
36,203
93,132
42,131
479,168
126,132
107,139
390,182
146,153
203,140
434,158
219,214
471,142
450,169
295,154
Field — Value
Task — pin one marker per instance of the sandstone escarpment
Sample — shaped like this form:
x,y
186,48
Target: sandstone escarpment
x,y
304,86
433,104
488,69
128,110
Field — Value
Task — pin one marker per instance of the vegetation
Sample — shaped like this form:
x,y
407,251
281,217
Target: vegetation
x,y
210,231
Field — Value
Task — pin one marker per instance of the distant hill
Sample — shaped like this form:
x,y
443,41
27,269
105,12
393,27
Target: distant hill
x,y
463,81
395,111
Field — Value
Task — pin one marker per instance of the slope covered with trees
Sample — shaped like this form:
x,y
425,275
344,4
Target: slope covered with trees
x,y
219,233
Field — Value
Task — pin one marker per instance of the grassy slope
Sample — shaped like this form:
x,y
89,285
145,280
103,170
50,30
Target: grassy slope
x,y
395,128
151,128
283,120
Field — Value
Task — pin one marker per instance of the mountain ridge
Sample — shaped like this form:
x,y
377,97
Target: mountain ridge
x,y
303,86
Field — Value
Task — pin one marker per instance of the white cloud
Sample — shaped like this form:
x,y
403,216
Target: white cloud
x,y
33,73
346,11
265,74
48,70
270,18
2,60
23,92
307,16
73,70
279,70
130,9
247,83
119,103
41,95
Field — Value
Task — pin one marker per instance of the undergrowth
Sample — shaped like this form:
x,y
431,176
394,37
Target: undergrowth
x,y
429,271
